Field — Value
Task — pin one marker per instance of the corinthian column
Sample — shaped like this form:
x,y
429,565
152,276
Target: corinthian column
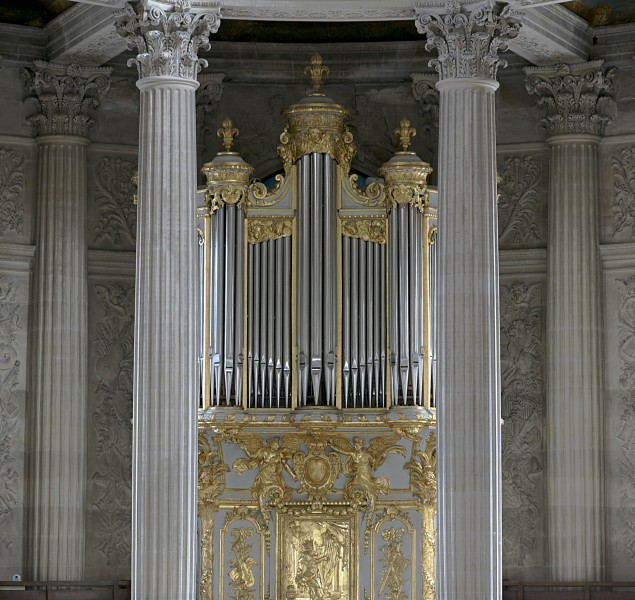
x,y
468,413
571,94
164,478
57,480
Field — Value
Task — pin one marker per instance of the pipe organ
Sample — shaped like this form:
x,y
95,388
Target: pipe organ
x,y
315,295
317,292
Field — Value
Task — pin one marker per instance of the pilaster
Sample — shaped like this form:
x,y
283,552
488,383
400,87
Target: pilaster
x,y
165,387
64,95
468,413
573,97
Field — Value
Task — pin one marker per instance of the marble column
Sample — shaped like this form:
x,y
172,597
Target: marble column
x,y
570,94
468,412
57,476
164,481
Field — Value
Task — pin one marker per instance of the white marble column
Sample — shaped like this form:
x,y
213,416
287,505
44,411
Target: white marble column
x,y
57,476
574,416
166,314
468,413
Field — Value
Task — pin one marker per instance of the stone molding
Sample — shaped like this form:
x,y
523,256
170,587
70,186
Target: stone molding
x,y
64,95
468,43
426,94
168,41
573,96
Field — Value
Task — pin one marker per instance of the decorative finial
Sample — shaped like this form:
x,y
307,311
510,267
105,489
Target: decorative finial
x,y
228,132
405,132
316,71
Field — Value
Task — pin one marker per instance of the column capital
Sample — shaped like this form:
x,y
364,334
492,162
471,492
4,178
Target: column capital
x,y
573,96
168,41
468,43
64,95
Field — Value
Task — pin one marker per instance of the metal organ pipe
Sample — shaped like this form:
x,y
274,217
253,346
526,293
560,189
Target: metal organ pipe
x,y
346,318
317,261
228,321
304,265
285,284
329,283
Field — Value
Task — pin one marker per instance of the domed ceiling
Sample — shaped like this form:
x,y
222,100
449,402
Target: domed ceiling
x,y
604,12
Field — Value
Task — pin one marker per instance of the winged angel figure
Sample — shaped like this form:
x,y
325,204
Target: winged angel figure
x,y
271,457
361,462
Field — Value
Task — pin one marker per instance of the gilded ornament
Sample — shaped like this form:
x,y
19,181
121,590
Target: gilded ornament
x,y
242,579
394,564
316,470
406,175
271,458
362,486
423,472
260,196
373,195
228,132
316,71
432,235
263,229
367,229
404,132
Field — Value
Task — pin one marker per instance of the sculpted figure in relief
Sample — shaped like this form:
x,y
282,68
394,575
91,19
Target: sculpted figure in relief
x,y
362,461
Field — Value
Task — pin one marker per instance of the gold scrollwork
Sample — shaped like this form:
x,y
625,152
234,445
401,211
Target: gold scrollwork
x,y
316,128
241,575
367,229
262,229
373,195
261,196
432,235
316,471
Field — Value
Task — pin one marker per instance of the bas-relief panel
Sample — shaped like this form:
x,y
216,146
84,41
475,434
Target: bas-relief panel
x,y
17,188
108,498
317,506
522,200
112,214
13,347
620,423
617,186
522,351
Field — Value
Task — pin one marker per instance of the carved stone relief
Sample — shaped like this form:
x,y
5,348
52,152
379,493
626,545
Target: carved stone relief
x,y
623,197
520,206
522,410
110,489
11,192
114,191
626,433
11,414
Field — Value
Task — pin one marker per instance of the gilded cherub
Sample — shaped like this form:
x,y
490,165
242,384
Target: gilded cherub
x,y
362,461
271,457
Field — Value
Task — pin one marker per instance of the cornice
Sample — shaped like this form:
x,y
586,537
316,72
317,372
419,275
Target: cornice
x,y
111,263
523,262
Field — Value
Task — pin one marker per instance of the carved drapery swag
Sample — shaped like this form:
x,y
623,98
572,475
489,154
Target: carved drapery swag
x,y
65,95
468,43
168,42
573,96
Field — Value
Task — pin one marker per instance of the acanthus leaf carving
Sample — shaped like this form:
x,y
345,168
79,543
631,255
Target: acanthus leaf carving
x,y
115,190
468,43
111,421
11,192
519,205
9,408
573,96
64,95
623,207
522,386
168,42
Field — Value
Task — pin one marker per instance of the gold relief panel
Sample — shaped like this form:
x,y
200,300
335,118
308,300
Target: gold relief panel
x,y
317,557
393,557
374,229
242,557
263,229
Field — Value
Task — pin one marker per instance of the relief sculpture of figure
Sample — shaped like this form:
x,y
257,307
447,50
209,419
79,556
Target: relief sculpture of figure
x,y
271,457
361,462
308,577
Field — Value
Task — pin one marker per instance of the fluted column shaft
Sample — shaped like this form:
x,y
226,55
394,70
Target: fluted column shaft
x,y
574,374
165,404
574,98
468,414
58,476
